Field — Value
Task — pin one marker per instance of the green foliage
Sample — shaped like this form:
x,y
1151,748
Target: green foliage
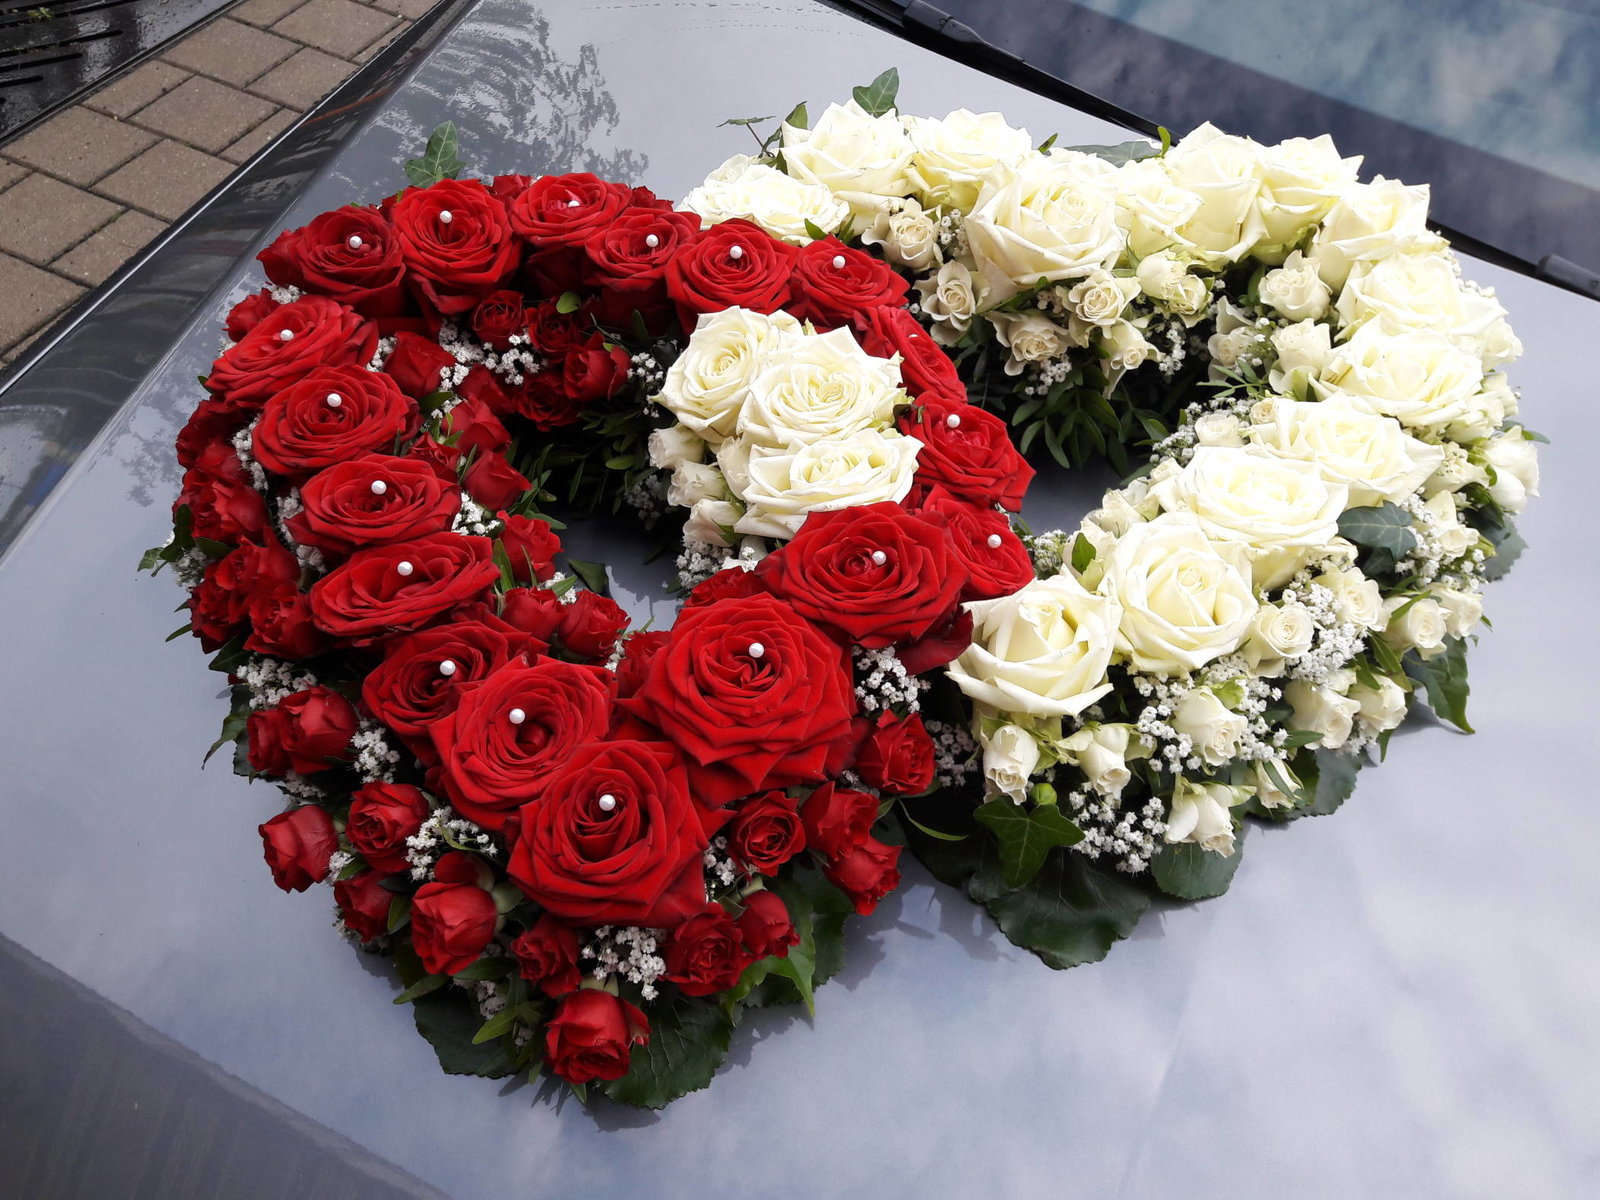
x,y
688,1041
1124,152
1189,872
1384,531
1025,836
449,1020
877,97
1444,681
440,158
593,575
1332,781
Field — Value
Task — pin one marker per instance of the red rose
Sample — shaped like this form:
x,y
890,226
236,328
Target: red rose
x,y
382,817
592,1036
727,584
299,845
209,617
456,240
472,427
705,954
765,927
591,625
251,570
531,545
875,572
556,332
400,587
333,414
591,372
452,918
321,333
925,366
349,254
832,284
939,647
624,256
547,956
731,264
370,500
499,317
897,756
222,500
493,482
490,762
753,693
837,819
535,611
997,562
545,214
415,363
364,904
306,732
969,452
765,833
423,675
867,873
213,423
632,860
637,651
281,624
248,313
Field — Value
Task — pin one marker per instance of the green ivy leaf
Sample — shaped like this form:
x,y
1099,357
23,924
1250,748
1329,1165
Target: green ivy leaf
x,y
878,96
593,574
440,158
449,1020
568,302
1082,553
1072,912
1444,679
1506,552
747,120
1333,782
1026,836
1122,152
688,1041
1190,872
797,117
1385,527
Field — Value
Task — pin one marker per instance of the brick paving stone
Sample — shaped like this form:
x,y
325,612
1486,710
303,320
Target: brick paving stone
x,y
379,46
340,27
205,114
246,147
11,355
166,179
137,88
95,258
10,173
230,51
302,80
33,297
264,12
42,217
79,145
409,9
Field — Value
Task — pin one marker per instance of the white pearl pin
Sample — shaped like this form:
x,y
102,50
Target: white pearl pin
x,y
404,568
736,252
757,649
447,667
334,399
517,716
355,242
994,540
838,262
379,487
879,557
446,216
607,803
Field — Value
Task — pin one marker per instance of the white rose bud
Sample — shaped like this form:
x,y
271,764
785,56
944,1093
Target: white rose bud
x,y
708,518
1356,599
1165,278
1099,298
1383,707
1462,610
1455,537
1302,349
1321,709
1030,338
948,297
675,445
909,236
1278,633
1423,625
1101,752
1211,725
1010,755
1219,429
1295,289
1267,790
1125,348
1515,460
1200,815
693,482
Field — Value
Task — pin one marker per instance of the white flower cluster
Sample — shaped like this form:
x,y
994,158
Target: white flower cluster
x,y
648,498
628,952
883,683
438,835
474,518
243,442
289,505
718,865
1129,839
955,752
376,759
270,680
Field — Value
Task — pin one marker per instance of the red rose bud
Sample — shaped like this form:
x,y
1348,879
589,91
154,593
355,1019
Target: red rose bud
x,y
415,364
287,343
925,366
969,452
493,482
382,817
837,819
372,499
536,611
766,832
531,545
451,923
897,756
223,502
394,589
252,569
729,584
637,651
473,426
348,254
833,284
499,317
364,904
875,572
589,373
591,625
330,416
592,1036
299,845
556,332
996,560
307,732
547,956
733,263
456,240
248,313
765,927
866,874
281,624
705,954
212,424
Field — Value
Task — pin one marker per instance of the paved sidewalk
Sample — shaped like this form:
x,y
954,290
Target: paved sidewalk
x,y
83,192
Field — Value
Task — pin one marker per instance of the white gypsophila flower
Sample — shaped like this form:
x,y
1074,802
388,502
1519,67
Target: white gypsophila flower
x,y
438,835
375,758
1129,839
780,204
628,952
883,683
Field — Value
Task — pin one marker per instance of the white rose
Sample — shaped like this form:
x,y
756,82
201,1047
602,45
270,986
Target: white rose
x,y
1498,345
693,482
1295,289
948,298
1200,815
1214,728
1117,513
1422,625
1185,599
1368,222
1322,709
779,203
1219,429
1152,208
1225,173
1042,650
1454,472
823,385
1515,460
861,159
1125,348
1302,349
1421,379
1268,790
1453,535
674,445
1030,338
951,158
1357,600
909,237
1278,632
1350,445
1010,755
1099,298
1383,707
1166,279
1102,752
707,385
1496,384
707,520
1462,610
1045,219
783,485
1412,292
1280,511
1300,180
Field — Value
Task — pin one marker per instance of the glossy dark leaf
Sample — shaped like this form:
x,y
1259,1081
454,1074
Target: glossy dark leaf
x,y
1025,837
1385,527
688,1041
1072,911
1190,872
1444,680
878,96
449,1020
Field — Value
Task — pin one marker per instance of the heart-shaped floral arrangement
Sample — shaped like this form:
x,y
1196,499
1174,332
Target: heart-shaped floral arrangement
x,y
588,848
